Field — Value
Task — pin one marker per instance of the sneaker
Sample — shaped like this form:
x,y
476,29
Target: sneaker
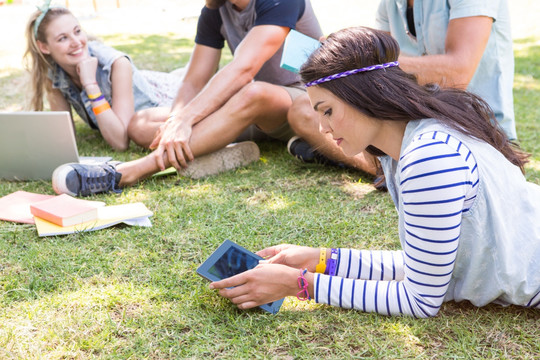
x,y
301,150
77,179
380,183
230,157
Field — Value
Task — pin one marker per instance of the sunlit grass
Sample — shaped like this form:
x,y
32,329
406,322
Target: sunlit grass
x,y
127,292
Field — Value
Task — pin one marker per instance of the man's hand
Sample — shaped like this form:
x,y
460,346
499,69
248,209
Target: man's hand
x,y
173,137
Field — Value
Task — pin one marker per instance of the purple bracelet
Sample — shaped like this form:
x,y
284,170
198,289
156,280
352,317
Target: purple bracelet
x,y
331,263
101,97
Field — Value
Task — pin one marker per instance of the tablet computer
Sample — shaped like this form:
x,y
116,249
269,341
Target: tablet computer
x,y
230,259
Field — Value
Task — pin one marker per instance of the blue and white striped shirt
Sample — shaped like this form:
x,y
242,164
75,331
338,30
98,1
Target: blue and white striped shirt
x,y
439,183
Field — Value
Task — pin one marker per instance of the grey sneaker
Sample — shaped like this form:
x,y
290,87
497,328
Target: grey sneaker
x,y
230,157
77,179
301,150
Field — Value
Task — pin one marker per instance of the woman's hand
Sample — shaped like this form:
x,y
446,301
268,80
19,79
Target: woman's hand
x,y
261,285
298,257
87,71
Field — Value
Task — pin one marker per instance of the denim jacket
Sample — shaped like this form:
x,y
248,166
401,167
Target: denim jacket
x,y
144,95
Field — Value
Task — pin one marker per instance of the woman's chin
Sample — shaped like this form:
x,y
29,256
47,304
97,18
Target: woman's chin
x,y
350,152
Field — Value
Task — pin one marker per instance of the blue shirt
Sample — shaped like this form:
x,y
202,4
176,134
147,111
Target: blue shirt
x,y
494,77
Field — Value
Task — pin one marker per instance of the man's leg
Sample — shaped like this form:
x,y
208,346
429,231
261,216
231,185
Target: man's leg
x,y
262,104
304,122
259,103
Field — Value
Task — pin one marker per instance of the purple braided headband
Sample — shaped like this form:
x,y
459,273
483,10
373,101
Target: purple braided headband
x,y
351,72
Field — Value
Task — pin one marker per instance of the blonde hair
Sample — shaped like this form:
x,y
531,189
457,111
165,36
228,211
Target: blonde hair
x,y
35,62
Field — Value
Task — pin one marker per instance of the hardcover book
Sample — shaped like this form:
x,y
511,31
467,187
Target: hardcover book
x,y
64,210
134,214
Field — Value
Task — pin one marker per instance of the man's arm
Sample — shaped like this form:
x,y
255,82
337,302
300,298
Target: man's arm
x,y
259,45
203,64
466,40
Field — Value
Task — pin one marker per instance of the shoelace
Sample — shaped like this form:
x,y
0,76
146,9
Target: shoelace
x,y
97,179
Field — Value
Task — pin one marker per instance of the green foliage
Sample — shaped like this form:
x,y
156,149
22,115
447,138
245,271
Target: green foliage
x,y
128,292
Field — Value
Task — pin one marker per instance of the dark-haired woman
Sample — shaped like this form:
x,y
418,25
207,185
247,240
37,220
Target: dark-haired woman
x,y
468,220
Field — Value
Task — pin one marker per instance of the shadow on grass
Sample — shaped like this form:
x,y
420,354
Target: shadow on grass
x,y
157,52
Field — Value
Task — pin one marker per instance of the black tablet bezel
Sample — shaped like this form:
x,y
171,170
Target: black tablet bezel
x,y
204,269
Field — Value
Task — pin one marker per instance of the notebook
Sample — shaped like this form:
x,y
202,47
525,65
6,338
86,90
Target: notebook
x,y
33,144
296,50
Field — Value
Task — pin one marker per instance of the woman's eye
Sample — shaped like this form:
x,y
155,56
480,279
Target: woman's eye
x,y
328,112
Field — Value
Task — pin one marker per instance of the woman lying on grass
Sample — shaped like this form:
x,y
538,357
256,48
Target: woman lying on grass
x,y
468,220
99,82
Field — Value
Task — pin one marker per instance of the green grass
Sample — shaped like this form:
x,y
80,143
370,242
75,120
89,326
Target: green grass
x,y
127,292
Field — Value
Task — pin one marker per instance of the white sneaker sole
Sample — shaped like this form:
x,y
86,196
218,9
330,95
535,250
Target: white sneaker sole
x,y
229,158
289,143
59,179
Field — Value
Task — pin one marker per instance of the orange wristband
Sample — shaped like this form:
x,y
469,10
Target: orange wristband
x,y
101,108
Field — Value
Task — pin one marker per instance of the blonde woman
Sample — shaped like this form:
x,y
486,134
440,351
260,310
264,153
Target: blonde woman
x,y
100,83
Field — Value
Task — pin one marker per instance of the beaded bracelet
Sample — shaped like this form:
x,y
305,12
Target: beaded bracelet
x,y
303,294
331,263
101,108
321,266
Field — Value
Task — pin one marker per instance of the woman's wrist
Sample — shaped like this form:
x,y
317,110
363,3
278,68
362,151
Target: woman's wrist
x,y
314,257
91,88
302,281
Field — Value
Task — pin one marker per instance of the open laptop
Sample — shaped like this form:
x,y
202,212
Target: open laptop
x,y
33,144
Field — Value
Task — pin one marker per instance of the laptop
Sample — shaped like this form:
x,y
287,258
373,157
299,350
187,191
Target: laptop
x,y
33,144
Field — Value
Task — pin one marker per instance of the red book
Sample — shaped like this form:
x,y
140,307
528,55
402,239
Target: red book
x,y
16,206
65,210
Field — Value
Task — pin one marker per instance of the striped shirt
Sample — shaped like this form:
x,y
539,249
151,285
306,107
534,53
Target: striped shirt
x,y
439,183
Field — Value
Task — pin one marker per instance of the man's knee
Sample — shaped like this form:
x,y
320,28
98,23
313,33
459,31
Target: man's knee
x,y
302,117
251,96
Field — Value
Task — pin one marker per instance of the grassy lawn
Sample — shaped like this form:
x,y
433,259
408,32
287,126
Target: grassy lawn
x,y
128,292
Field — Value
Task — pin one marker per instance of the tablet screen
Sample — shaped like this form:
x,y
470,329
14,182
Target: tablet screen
x,y
232,262
231,259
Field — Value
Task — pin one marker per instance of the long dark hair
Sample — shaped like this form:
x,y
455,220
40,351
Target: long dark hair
x,y
392,94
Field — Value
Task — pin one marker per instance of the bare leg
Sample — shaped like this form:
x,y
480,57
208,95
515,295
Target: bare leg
x,y
144,124
259,103
303,120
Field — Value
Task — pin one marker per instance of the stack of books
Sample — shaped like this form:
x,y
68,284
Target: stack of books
x,y
63,214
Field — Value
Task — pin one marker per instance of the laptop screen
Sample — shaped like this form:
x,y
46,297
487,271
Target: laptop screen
x,y
33,144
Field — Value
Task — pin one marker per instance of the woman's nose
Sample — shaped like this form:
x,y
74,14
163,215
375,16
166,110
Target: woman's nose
x,y
75,41
324,126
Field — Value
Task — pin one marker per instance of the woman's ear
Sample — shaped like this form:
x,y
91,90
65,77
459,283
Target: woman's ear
x,y
44,48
